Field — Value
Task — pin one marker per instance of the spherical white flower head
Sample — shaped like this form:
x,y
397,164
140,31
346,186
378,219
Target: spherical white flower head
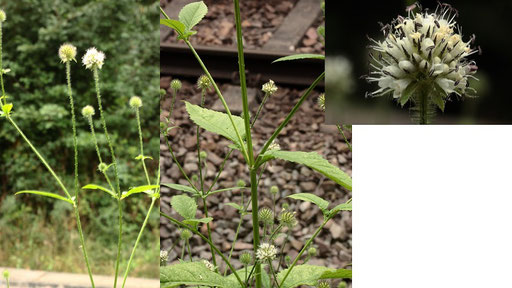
x,y
423,49
164,255
93,59
209,265
274,145
135,102
88,111
67,53
269,87
266,252
3,17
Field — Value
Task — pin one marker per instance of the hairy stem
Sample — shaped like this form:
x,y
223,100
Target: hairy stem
x,y
138,239
114,161
137,113
2,67
93,133
214,259
82,243
73,121
340,129
259,109
255,223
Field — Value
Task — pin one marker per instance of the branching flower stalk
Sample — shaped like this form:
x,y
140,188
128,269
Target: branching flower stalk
x,y
423,60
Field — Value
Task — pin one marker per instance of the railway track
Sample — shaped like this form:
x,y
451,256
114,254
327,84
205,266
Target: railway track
x,y
177,60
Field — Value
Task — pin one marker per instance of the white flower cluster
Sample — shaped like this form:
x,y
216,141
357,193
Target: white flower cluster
x,y
266,252
269,87
422,49
67,53
209,265
93,59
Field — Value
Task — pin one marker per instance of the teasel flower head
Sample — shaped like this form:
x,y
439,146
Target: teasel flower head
x,y
209,265
135,102
266,216
176,85
426,52
269,87
266,252
312,252
67,53
203,155
6,273
164,256
323,284
102,167
287,218
93,59
203,82
3,17
246,258
88,111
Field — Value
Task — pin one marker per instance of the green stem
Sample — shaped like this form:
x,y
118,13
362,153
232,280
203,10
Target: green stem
x,y
273,272
344,137
93,133
310,240
243,84
137,113
255,224
82,242
73,121
173,99
217,90
259,109
138,239
288,118
214,259
2,67
179,165
188,249
209,242
114,161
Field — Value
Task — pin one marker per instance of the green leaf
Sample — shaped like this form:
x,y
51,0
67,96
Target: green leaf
x,y
342,207
407,93
98,187
438,96
314,161
143,157
321,31
7,108
338,274
195,221
174,24
185,206
300,56
180,187
303,275
234,205
216,122
192,273
192,13
46,194
308,197
139,189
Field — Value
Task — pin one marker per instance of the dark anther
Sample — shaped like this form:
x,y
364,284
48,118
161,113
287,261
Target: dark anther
x,y
437,23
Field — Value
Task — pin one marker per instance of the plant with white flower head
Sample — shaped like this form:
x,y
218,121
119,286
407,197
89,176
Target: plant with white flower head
x,y
423,60
266,252
93,59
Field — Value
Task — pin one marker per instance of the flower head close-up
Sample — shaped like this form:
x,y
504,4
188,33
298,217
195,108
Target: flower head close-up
x,y
93,59
423,60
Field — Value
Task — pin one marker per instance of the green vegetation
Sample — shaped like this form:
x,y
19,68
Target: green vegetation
x,y
34,233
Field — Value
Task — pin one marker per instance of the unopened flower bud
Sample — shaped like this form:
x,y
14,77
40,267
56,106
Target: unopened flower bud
x,y
67,53
287,218
203,155
88,111
162,92
321,101
285,206
135,102
241,183
246,258
6,273
102,167
312,252
185,234
342,284
176,85
195,178
274,190
266,216
204,82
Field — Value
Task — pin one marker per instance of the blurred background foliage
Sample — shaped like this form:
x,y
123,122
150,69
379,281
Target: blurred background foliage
x,y
349,23
40,233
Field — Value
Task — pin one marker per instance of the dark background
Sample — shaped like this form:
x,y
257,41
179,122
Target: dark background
x,y
348,23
